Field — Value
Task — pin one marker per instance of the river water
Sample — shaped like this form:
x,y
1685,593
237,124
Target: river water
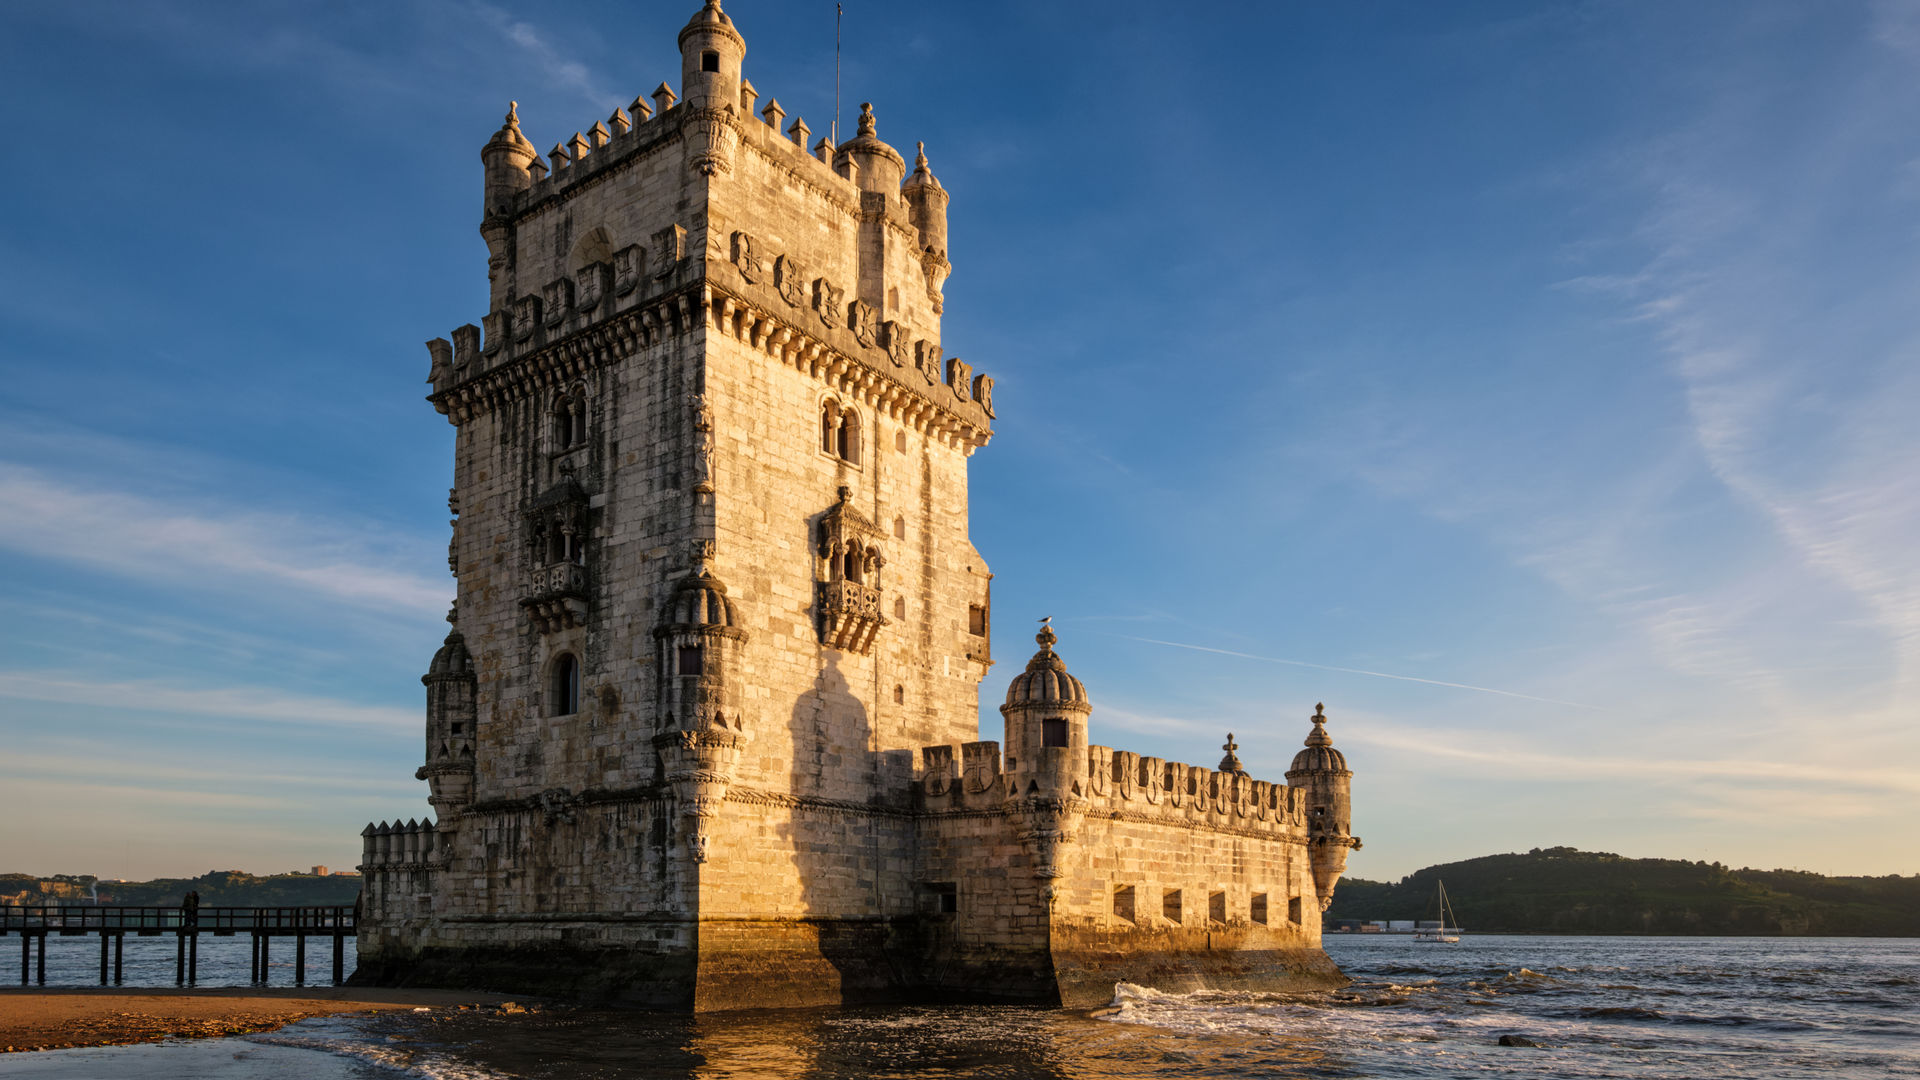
x,y
1678,1008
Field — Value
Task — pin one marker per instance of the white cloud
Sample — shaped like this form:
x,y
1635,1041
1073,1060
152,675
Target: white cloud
x,y
208,547
238,702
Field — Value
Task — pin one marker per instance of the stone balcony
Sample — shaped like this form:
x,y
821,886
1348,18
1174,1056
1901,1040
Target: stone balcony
x,y
556,596
849,615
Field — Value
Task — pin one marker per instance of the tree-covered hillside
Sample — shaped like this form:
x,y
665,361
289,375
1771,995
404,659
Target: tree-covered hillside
x,y
1565,891
217,888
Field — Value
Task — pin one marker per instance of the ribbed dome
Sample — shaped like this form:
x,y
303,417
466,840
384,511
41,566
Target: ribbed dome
x,y
1319,756
453,658
509,136
867,140
700,600
711,18
1046,682
922,174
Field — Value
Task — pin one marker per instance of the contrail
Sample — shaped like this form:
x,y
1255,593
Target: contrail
x,y
1355,671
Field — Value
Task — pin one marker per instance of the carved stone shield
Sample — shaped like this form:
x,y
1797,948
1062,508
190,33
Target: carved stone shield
x,y
743,257
940,771
896,339
927,359
983,392
526,317
959,374
557,298
590,287
629,263
495,325
860,321
790,280
828,301
981,765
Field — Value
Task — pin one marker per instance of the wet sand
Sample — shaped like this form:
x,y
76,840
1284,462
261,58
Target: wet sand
x,y
53,1019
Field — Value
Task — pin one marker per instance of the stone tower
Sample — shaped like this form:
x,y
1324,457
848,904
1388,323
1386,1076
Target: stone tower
x,y
710,497
704,734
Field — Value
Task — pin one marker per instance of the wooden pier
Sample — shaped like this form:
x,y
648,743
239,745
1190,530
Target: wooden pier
x,y
35,922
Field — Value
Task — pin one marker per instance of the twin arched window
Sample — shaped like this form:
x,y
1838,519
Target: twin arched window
x,y
570,419
564,694
840,432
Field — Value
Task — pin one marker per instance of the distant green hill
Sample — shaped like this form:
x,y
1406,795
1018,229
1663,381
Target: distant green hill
x,y
1565,891
218,888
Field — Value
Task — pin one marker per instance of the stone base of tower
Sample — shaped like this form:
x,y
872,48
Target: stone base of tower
x,y
1089,962
622,967
789,963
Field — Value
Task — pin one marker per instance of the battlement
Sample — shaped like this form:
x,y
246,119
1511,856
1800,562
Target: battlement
x,y
1118,783
640,130
396,844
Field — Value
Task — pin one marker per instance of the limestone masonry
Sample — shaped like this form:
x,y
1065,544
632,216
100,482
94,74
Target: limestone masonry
x,y
703,735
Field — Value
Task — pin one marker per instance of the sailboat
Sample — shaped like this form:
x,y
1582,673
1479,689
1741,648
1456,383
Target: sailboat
x,y
1446,933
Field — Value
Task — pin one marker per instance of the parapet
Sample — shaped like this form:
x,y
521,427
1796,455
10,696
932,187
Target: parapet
x,y
1117,783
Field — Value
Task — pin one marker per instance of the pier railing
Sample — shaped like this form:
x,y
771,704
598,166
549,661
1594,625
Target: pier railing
x,y
35,922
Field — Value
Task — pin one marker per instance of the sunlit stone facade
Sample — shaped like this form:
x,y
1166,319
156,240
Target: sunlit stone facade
x,y
704,733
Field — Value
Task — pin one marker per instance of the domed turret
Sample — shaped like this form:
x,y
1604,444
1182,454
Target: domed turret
x,y
451,715
506,157
711,51
451,659
1319,756
1046,681
700,600
1321,774
701,725
1046,713
927,204
880,166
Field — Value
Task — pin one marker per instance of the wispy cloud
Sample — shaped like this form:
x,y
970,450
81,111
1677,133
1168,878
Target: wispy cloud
x,y
238,702
155,540
1357,671
559,69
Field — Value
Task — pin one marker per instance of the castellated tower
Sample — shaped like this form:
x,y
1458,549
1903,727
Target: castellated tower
x,y
703,734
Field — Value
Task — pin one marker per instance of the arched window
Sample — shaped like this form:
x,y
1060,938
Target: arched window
x,y
570,420
840,432
854,563
566,685
850,437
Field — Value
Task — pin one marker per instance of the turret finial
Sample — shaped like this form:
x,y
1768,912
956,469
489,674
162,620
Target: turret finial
x,y
866,119
513,113
919,155
1231,763
1046,636
1318,736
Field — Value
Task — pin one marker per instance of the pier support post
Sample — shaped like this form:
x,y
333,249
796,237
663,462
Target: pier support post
x,y
26,949
180,958
339,957
40,959
103,957
193,958
266,950
119,954
299,958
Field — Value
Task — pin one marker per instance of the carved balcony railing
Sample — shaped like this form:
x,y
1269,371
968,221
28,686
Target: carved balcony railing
x,y
557,596
849,615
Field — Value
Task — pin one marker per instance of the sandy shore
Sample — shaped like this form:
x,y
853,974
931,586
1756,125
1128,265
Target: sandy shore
x,y
41,1019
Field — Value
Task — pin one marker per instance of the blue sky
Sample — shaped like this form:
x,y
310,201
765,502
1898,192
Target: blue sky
x,y
1534,383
